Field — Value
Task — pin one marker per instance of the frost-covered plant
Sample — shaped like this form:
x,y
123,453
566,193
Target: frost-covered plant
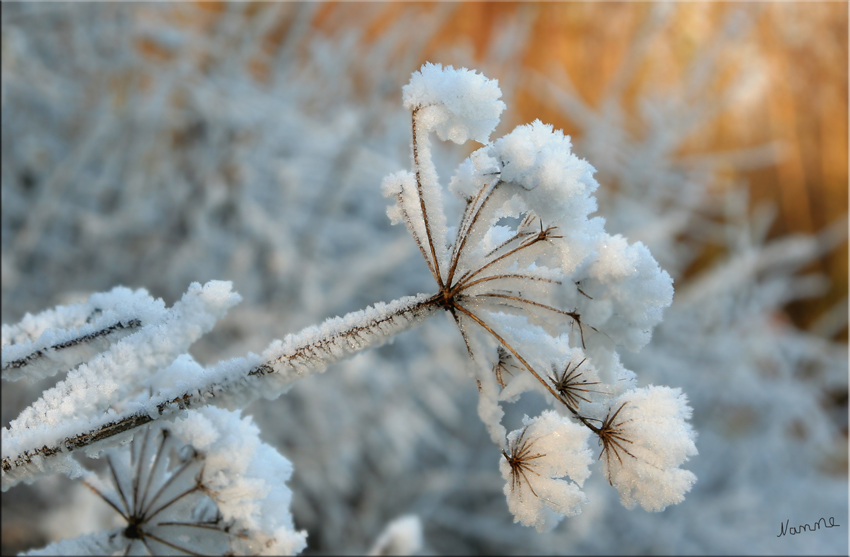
x,y
204,485
199,170
525,232
524,235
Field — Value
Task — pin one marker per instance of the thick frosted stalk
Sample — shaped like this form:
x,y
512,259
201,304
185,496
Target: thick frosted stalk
x,y
32,453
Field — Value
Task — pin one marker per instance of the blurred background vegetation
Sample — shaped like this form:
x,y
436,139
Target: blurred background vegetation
x,y
795,95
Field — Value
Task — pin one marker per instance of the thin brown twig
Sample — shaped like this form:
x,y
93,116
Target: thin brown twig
x,y
464,234
105,498
416,237
508,276
169,544
422,200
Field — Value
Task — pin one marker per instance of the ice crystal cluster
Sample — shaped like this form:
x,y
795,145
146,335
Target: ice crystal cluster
x,y
543,298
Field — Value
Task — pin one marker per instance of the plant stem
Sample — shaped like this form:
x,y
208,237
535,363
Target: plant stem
x,y
228,383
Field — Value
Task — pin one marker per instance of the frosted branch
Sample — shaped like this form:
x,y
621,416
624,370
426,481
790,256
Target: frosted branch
x,y
109,377
31,452
61,338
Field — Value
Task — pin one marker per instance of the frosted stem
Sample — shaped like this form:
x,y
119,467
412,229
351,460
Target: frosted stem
x,y
230,383
418,167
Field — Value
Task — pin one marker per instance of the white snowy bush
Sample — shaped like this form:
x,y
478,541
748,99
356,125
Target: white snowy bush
x,y
495,280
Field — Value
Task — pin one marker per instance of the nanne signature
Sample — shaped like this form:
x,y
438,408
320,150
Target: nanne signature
x,y
784,529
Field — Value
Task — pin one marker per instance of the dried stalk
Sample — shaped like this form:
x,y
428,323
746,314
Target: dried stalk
x,y
338,338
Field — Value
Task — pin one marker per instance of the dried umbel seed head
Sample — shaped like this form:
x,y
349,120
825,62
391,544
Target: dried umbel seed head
x,y
158,489
613,438
531,280
646,439
545,449
519,457
571,383
202,485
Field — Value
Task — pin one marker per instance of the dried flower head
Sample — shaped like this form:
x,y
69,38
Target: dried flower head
x,y
571,382
546,448
526,274
504,365
525,226
204,485
649,438
158,489
612,438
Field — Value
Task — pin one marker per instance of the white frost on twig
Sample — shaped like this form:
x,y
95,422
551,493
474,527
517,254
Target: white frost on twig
x,y
58,339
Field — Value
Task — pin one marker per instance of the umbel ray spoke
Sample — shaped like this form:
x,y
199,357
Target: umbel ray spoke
x,y
165,434
469,275
141,457
169,544
526,365
416,238
165,485
107,499
461,329
118,485
436,268
464,232
507,345
575,316
508,276
526,223
174,500
145,542
202,526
